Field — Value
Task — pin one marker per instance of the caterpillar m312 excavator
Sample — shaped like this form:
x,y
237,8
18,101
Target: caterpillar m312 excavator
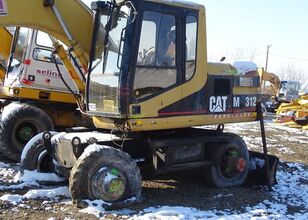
x,y
145,100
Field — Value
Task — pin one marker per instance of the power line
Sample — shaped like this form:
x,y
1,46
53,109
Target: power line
x,y
275,55
293,58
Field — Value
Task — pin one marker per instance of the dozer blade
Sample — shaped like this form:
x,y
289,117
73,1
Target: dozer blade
x,y
257,172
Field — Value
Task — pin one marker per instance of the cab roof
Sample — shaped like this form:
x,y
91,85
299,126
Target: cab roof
x,y
179,3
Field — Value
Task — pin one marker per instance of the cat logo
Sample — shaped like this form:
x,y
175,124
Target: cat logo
x,y
3,10
218,103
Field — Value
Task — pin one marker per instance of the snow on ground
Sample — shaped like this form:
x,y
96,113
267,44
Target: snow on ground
x,y
289,198
291,190
36,194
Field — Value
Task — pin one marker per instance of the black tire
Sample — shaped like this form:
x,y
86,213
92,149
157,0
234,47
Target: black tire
x,y
18,126
216,175
35,157
97,159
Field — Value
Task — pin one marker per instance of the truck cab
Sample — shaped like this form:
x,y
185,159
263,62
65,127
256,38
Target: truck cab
x,y
31,66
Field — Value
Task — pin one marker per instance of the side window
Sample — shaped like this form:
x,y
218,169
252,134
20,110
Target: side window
x,y
156,62
157,40
146,52
191,45
42,39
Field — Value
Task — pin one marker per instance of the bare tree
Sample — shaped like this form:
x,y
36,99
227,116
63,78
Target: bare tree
x,y
291,72
248,54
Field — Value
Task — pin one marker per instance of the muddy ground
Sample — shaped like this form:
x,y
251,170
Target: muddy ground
x,y
181,189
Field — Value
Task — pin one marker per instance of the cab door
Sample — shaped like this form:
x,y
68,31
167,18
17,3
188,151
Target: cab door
x,y
157,74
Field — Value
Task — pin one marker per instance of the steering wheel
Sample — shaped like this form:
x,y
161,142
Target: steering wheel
x,y
149,56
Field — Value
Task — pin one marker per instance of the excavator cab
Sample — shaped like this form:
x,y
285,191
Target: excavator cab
x,y
159,70
145,65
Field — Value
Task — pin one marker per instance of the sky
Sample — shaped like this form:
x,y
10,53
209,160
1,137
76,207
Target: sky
x,y
238,29
252,25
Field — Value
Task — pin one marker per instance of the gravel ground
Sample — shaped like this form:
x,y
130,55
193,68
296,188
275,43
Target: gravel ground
x,y
186,189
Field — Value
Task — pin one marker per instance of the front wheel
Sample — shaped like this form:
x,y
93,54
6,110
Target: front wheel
x,y
106,173
232,160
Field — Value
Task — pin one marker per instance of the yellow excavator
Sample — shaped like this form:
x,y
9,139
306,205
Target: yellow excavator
x,y
285,100
279,92
146,95
272,78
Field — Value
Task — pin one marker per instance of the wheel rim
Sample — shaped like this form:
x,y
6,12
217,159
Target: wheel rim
x,y
108,184
232,163
25,131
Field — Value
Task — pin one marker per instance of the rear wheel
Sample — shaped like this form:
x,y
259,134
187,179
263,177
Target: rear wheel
x,y
232,163
35,156
19,123
105,173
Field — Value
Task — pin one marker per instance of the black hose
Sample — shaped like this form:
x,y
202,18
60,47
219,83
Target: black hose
x,y
64,82
76,64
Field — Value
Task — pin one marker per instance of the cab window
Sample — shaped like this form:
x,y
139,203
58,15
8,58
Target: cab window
x,y
156,62
191,45
41,54
43,39
21,42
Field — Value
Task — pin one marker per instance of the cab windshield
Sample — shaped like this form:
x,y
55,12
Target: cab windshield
x,y
103,92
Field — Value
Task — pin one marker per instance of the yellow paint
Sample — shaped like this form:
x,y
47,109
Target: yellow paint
x,y
5,43
5,47
151,107
33,14
69,67
2,75
30,93
65,118
245,90
149,124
